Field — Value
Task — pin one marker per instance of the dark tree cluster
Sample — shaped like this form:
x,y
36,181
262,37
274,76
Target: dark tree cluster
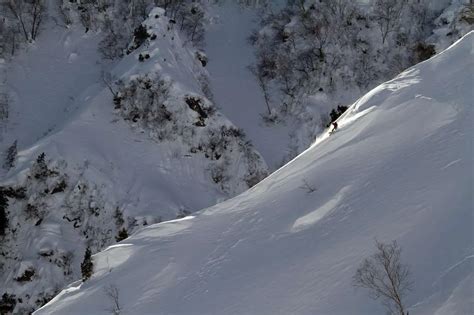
x,y
87,266
3,213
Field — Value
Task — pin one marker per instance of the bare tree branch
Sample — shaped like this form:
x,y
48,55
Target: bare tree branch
x,y
384,275
113,294
309,188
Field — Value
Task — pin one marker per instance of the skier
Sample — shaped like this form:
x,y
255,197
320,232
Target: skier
x,y
334,128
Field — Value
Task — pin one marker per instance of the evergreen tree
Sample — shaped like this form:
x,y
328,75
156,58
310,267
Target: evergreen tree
x,y
40,169
122,234
3,212
10,156
87,266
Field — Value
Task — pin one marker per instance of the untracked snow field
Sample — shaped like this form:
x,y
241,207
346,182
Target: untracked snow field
x,y
399,168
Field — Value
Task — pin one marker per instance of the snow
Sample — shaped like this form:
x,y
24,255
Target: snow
x,y
70,116
235,88
48,81
402,171
60,106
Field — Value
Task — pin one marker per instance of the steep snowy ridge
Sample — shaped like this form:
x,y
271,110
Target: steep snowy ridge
x,y
103,173
399,167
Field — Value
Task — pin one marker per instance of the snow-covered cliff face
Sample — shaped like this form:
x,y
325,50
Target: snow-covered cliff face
x,y
141,143
396,169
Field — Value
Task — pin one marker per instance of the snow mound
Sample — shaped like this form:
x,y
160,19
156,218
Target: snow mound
x,y
398,168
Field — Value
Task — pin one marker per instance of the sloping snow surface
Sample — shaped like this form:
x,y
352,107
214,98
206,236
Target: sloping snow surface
x,y
399,167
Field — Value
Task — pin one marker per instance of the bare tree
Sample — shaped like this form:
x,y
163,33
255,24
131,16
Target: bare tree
x,y
113,294
262,83
387,14
192,19
36,12
9,33
29,15
384,275
18,10
4,106
109,80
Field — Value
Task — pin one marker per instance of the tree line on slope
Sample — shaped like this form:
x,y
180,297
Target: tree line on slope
x,y
119,20
314,56
21,20
314,46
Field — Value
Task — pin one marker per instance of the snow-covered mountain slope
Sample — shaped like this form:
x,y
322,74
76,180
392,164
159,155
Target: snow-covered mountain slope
x,y
157,150
48,81
399,168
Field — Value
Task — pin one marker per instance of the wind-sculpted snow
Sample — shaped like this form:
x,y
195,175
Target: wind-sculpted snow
x,y
401,171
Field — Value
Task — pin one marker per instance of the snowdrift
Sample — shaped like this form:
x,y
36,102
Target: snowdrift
x,y
399,167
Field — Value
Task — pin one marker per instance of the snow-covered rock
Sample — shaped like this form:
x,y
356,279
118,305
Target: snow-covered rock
x,y
399,167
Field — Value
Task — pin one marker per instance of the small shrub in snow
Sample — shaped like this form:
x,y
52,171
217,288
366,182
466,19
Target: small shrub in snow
x,y
122,234
308,187
40,169
202,58
7,303
424,51
140,35
59,187
27,275
195,104
182,214
32,211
